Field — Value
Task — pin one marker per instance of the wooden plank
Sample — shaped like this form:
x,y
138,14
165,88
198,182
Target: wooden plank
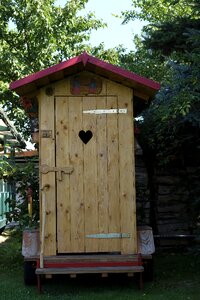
x,y
141,95
63,186
96,270
127,172
93,258
113,173
90,177
80,264
102,187
62,87
47,157
76,178
98,257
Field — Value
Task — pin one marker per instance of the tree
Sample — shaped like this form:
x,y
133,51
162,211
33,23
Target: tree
x,y
174,41
145,62
164,37
159,11
36,34
170,127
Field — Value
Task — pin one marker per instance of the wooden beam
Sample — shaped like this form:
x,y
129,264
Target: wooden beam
x,y
12,128
141,95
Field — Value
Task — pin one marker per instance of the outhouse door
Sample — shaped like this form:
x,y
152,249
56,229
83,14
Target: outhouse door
x,y
96,201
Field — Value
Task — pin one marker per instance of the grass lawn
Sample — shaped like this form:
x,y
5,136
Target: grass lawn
x,y
177,277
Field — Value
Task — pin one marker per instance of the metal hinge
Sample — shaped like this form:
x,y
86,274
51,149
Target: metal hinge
x,y
109,236
106,111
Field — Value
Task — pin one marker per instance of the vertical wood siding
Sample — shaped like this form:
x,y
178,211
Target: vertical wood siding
x,y
99,195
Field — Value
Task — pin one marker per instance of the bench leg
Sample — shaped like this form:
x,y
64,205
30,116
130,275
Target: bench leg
x,y
141,281
39,284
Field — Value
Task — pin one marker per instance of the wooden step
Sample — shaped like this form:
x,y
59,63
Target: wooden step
x,y
91,261
90,264
89,270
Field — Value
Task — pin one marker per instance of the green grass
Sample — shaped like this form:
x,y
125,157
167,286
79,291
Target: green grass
x,y
177,277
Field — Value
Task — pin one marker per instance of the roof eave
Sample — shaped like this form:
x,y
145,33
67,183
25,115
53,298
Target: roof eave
x,y
84,62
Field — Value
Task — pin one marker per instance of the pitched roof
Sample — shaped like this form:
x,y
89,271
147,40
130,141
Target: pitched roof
x,y
78,64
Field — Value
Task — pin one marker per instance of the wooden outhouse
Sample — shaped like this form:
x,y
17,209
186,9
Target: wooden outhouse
x,y
86,159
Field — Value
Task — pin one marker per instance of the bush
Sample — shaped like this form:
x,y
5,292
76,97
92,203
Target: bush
x,y
25,209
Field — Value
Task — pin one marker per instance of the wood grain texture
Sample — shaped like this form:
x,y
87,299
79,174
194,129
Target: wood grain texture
x,y
99,195
127,201
102,173
63,186
113,173
94,258
92,270
47,157
127,173
90,177
77,178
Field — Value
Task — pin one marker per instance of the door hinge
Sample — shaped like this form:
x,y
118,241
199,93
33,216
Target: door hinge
x,y
106,111
108,236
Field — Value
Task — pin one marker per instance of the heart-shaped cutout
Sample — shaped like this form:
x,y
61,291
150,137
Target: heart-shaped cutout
x,y
85,136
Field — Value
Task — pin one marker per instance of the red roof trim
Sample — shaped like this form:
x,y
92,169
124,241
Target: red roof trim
x,y
85,59
124,73
35,76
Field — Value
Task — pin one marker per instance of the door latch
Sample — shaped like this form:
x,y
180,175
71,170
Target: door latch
x,y
44,169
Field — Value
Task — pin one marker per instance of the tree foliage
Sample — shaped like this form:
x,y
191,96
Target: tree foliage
x,y
144,62
27,183
36,34
172,38
170,126
160,11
